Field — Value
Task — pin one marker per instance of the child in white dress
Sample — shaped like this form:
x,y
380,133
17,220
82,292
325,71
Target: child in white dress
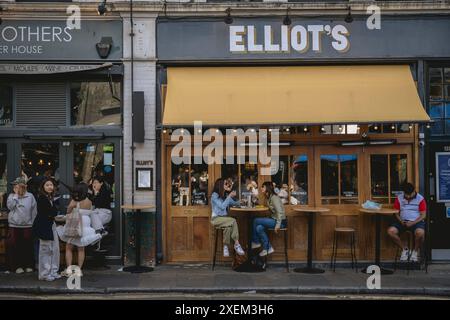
x,y
81,201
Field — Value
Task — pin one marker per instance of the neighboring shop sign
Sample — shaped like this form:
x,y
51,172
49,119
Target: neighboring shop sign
x,y
33,68
53,39
443,177
268,38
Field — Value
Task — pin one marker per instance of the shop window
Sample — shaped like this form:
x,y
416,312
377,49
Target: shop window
x,y
3,177
244,178
95,103
299,180
40,160
190,184
281,179
339,179
6,102
388,174
340,129
439,100
94,160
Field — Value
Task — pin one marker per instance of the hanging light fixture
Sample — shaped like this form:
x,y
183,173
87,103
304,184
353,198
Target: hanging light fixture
x,y
228,18
287,21
349,17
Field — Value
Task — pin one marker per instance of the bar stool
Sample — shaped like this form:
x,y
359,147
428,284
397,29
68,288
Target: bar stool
x,y
411,244
351,232
285,232
216,237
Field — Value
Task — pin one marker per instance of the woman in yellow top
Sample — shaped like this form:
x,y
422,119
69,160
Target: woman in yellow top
x,y
276,220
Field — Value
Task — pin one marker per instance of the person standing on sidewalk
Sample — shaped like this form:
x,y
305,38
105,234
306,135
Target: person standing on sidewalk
x,y
19,242
220,204
276,221
44,229
413,210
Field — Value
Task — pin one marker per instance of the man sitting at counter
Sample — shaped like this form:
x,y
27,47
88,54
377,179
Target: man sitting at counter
x,y
412,207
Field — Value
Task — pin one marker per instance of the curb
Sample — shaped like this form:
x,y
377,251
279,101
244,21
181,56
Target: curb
x,y
426,291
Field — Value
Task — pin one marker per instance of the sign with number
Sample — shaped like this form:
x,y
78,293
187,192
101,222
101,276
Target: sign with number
x,y
443,176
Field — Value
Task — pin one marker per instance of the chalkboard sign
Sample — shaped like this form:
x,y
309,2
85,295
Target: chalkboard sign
x,y
443,176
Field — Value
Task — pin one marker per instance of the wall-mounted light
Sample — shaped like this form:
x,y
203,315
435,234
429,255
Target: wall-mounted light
x,y
228,18
349,17
101,9
287,20
104,47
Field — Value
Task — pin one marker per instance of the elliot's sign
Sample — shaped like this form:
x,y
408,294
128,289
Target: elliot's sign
x,y
297,38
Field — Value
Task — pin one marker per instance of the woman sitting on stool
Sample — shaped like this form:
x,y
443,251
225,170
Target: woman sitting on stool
x,y
276,221
220,204
101,201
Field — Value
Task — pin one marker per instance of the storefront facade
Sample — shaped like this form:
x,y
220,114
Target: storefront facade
x,y
331,155
61,109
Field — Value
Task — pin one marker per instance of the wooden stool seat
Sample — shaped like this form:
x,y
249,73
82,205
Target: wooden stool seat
x,y
344,229
351,232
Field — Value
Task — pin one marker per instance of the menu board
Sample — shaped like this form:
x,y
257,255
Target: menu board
x,y
443,176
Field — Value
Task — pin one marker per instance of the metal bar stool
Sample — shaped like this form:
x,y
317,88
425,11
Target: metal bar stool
x,y
285,232
422,254
216,237
351,232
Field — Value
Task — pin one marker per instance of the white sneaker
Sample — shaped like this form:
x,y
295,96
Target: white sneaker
x,y
266,252
66,273
256,245
414,257
19,270
28,270
404,256
226,252
238,249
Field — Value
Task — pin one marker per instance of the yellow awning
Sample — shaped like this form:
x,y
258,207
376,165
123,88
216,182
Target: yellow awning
x,y
233,96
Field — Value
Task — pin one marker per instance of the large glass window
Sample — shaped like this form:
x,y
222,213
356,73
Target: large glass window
x,y
3,177
6,102
390,128
340,129
299,180
339,179
190,184
439,100
388,174
95,103
94,160
40,160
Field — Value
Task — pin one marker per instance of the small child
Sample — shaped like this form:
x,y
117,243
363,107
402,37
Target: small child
x,y
44,228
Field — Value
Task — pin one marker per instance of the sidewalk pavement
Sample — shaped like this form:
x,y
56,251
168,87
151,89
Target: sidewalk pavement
x,y
200,279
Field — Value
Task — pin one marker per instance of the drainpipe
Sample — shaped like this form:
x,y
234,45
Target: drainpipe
x,y
132,92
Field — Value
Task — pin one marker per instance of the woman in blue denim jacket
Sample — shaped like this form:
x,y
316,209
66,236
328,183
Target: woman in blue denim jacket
x,y
219,219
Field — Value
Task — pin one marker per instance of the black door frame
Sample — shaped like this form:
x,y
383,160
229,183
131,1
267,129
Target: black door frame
x,y
13,163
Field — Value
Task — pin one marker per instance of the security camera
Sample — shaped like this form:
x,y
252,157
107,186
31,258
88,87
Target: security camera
x,y
421,143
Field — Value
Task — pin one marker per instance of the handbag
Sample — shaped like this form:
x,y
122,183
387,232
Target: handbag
x,y
73,227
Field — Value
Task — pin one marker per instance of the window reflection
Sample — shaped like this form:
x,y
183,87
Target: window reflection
x,y
199,184
6,102
398,165
388,174
3,177
349,178
249,183
281,179
330,178
339,179
180,184
379,178
299,180
95,103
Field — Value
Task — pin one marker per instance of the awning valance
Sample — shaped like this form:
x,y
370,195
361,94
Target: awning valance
x,y
303,95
